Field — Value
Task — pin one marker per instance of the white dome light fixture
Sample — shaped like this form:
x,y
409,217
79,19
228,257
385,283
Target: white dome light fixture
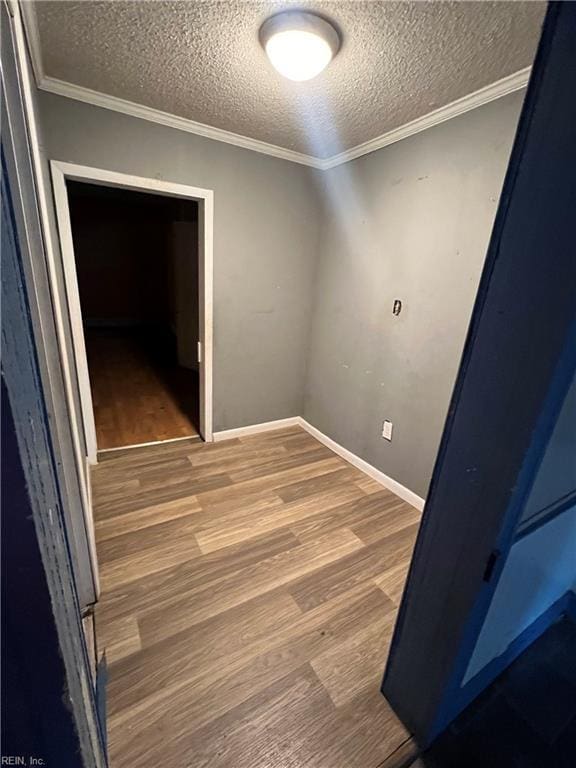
x,y
299,44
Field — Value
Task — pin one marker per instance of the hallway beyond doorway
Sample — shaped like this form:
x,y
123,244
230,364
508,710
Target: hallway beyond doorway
x,y
140,393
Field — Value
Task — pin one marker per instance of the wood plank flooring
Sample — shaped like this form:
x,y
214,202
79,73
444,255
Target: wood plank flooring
x,y
250,589
139,395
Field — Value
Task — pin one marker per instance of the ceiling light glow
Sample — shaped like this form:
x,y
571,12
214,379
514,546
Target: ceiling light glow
x,y
299,45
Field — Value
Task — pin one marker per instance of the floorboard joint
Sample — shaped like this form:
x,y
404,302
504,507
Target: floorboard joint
x,y
249,594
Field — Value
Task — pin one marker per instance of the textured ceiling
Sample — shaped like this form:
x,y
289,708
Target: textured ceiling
x,y
202,60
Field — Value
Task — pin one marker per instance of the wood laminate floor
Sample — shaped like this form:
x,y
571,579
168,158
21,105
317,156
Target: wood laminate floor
x,y
139,394
250,589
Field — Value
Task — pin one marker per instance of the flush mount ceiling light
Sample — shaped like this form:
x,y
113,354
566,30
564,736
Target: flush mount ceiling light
x,y
299,44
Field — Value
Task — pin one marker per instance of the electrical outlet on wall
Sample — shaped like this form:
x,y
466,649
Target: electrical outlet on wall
x,y
387,430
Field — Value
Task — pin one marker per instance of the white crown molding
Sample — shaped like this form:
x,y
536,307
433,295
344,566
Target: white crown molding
x,y
98,99
506,85
503,87
79,93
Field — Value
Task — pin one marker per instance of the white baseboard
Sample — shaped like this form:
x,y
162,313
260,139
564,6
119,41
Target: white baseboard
x,y
392,485
254,429
196,438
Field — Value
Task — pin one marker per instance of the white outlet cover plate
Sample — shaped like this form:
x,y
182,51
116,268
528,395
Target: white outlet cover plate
x,y
387,430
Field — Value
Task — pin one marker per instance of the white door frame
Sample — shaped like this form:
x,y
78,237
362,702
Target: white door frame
x,y
85,569
61,172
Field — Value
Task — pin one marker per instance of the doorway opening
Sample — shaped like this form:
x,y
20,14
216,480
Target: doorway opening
x,y
137,267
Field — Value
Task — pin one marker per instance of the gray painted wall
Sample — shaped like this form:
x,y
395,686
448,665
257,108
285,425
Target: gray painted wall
x,y
411,221
265,243
307,266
